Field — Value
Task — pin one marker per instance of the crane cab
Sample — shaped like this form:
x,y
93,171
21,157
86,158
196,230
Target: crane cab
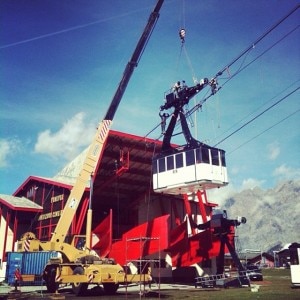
x,y
189,170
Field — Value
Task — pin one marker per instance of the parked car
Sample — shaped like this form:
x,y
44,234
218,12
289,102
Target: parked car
x,y
254,273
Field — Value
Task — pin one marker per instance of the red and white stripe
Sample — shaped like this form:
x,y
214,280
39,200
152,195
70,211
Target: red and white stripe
x,y
58,278
90,277
58,275
104,129
27,245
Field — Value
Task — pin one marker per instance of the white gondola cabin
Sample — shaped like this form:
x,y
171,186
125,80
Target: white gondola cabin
x,y
189,170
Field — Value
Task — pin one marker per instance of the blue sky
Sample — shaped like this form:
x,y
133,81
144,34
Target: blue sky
x,y
61,62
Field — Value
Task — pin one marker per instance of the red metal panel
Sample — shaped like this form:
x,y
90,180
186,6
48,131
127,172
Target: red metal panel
x,y
145,239
178,234
189,211
194,249
176,214
201,206
104,233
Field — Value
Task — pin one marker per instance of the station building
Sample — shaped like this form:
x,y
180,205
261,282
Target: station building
x,y
130,220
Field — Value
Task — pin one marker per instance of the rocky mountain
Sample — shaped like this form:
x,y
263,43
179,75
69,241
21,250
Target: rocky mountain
x,y
273,216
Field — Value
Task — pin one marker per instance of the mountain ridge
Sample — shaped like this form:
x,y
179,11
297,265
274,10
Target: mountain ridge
x,y
273,216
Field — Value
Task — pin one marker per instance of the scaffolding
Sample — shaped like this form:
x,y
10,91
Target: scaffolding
x,y
143,264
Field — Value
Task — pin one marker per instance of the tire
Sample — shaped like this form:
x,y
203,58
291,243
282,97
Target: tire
x,y
49,277
79,289
110,288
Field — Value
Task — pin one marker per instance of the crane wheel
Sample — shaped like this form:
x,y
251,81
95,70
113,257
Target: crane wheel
x,y
110,288
79,289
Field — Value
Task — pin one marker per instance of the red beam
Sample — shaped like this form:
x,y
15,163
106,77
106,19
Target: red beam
x,y
201,206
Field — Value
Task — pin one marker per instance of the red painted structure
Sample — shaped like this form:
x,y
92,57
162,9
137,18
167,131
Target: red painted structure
x,y
124,207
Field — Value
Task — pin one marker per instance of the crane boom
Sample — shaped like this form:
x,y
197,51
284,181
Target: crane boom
x,y
96,149
81,266
135,58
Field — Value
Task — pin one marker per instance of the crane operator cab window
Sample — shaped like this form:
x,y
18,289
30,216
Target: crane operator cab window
x,y
189,170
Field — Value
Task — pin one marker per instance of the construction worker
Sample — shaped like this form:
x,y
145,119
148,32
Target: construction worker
x,y
18,278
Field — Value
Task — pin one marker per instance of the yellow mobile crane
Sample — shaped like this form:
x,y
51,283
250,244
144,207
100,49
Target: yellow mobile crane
x,y
82,267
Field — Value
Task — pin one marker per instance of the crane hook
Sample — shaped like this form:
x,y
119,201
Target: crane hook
x,y
182,34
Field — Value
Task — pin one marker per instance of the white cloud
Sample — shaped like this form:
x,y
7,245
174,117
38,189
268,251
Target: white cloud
x,y
4,152
220,195
7,149
251,183
68,141
273,150
234,170
284,172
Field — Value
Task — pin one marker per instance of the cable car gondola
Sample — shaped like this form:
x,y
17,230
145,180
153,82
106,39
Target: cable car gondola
x,y
194,166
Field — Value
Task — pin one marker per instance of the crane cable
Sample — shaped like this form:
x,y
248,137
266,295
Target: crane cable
x,y
257,116
200,104
257,41
183,49
262,132
241,68
257,109
245,52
